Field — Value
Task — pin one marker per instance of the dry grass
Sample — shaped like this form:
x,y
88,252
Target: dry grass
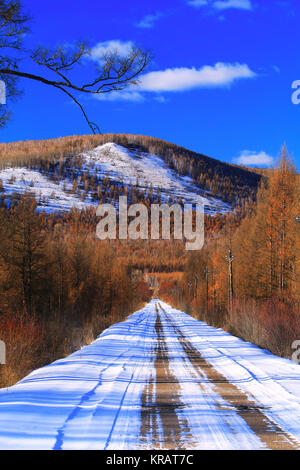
x,y
23,338
272,325
31,344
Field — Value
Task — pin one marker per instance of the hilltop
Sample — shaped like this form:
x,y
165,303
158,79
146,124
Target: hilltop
x,y
81,171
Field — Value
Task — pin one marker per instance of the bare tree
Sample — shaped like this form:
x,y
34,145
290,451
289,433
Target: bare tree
x,y
112,72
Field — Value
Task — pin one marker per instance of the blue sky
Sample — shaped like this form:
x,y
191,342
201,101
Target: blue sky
x,y
220,82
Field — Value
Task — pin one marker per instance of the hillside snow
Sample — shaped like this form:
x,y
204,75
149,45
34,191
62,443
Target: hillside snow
x,y
50,196
146,172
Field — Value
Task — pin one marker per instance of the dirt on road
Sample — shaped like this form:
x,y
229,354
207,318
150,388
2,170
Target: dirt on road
x,y
161,401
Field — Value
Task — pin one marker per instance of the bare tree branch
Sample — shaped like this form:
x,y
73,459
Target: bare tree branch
x,y
112,72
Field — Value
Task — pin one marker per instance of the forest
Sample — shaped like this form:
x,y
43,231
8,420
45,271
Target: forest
x,y
246,279
60,286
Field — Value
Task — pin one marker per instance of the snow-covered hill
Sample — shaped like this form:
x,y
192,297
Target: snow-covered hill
x,y
148,173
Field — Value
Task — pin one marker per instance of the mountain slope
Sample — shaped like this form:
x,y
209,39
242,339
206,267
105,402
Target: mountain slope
x,y
79,173
148,172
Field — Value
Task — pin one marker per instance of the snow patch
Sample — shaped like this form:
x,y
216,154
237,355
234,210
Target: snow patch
x,y
49,195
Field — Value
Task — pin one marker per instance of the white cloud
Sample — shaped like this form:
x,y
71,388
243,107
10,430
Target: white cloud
x,y
172,79
160,99
148,21
102,48
125,95
238,4
183,78
222,4
249,158
198,3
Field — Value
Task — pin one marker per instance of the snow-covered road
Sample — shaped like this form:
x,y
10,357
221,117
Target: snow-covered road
x,y
159,380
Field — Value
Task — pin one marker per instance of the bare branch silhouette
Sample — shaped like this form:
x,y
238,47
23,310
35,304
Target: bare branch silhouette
x,y
113,71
